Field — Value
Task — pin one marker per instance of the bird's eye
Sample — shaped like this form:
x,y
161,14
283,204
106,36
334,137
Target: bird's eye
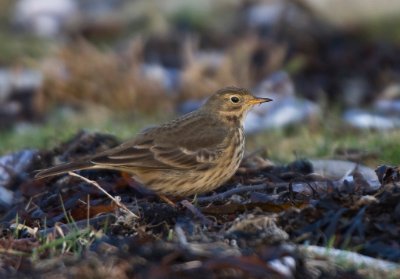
x,y
235,99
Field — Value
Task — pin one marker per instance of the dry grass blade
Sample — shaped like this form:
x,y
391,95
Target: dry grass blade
x,y
13,252
95,184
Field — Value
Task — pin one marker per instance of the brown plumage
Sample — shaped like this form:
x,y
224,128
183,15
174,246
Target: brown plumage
x,y
192,154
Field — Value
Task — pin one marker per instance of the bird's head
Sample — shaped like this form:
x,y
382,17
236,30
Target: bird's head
x,y
233,102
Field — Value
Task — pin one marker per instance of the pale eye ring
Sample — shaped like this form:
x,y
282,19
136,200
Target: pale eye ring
x,y
235,99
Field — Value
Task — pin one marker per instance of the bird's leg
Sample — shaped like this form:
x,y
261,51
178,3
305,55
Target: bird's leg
x,y
167,200
128,179
137,186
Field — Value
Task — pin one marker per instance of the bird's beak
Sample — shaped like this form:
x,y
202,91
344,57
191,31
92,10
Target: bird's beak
x,y
257,100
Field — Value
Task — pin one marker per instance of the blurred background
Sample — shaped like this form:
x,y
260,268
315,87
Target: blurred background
x,y
116,66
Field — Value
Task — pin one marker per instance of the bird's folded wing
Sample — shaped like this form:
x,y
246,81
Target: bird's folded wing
x,y
159,156
161,149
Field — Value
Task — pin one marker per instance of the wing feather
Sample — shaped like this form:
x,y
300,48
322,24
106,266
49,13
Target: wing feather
x,y
157,148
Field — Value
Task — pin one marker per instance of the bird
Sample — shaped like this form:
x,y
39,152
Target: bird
x,y
192,154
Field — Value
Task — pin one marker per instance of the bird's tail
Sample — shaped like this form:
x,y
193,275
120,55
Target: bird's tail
x,y
63,168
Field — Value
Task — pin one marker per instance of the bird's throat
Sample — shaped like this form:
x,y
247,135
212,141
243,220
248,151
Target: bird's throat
x,y
233,118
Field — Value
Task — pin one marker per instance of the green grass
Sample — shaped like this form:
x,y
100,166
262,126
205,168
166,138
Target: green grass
x,y
57,243
301,142
62,125
20,48
283,145
74,242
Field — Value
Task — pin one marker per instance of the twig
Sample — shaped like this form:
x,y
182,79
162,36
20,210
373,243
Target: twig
x,y
13,252
237,190
350,257
94,183
196,212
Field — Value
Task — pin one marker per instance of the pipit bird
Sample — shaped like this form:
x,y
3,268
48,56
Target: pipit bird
x,y
192,154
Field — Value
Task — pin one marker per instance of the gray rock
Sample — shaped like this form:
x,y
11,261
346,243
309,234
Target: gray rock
x,y
286,108
15,166
363,119
44,18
